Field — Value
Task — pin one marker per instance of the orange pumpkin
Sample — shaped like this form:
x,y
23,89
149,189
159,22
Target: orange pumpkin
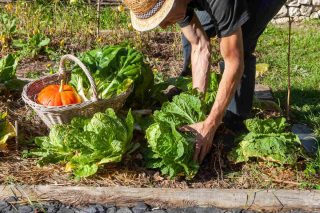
x,y
58,95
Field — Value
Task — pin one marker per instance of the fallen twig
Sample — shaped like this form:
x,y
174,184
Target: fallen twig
x,y
289,70
284,181
28,201
17,136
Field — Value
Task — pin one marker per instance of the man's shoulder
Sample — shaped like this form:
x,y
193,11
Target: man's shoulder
x,y
227,15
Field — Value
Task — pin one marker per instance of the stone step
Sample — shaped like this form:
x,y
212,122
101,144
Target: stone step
x,y
307,138
263,92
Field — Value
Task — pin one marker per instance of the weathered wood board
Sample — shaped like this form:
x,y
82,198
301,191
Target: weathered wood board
x,y
271,200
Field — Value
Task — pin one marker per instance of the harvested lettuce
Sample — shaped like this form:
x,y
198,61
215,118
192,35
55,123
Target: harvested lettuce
x,y
171,151
114,69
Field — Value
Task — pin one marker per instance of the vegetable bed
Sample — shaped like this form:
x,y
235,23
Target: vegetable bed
x,y
217,171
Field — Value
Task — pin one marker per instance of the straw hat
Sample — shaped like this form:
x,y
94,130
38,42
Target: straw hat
x,y
148,14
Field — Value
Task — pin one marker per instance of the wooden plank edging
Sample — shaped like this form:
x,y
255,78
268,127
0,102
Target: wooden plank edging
x,y
165,197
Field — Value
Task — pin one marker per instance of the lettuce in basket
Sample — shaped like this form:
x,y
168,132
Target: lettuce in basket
x,y
114,69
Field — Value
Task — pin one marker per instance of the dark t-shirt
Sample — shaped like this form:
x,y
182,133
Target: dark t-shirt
x,y
227,15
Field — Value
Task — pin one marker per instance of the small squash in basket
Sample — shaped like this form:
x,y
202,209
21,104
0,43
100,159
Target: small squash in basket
x,y
58,95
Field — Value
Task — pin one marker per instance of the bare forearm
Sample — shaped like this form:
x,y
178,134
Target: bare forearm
x,y
200,60
200,53
228,85
232,52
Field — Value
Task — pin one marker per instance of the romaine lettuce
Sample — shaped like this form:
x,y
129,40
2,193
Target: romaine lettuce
x,y
267,140
85,144
114,69
171,151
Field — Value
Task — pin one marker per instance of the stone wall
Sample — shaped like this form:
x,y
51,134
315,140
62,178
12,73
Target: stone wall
x,y
299,10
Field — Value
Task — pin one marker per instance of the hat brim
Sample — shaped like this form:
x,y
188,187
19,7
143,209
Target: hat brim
x,y
153,21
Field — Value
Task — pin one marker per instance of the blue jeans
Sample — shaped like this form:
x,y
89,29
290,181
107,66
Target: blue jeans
x,y
262,11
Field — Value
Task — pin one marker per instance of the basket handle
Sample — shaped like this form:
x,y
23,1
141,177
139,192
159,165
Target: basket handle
x,y
62,71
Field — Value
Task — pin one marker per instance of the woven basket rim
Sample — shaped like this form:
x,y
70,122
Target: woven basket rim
x,y
65,107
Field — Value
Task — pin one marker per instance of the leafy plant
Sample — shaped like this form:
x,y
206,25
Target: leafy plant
x,y
8,67
34,74
184,84
313,163
267,140
6,130
8,25
171,151
86,144
115,69
211,92
157,93
33,46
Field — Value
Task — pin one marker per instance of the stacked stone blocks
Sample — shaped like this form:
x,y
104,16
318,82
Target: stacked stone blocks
x,y
299,10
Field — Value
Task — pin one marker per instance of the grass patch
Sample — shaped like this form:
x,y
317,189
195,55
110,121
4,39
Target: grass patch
x,y
305,78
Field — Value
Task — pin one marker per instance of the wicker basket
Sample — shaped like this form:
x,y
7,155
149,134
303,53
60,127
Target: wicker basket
x,y
64,114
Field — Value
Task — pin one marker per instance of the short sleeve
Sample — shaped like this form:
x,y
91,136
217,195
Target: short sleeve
x,y
187,19
229,15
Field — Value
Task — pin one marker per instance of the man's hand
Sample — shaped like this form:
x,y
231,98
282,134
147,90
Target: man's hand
x,y
204,138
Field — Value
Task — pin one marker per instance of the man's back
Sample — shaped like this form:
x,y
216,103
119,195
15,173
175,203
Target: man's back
x,y
227,15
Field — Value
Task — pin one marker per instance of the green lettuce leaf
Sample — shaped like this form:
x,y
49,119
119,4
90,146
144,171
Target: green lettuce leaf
x,y
267,140
171,151
184,84
6,130
87,143
114,69
8,67
266,126
211,92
